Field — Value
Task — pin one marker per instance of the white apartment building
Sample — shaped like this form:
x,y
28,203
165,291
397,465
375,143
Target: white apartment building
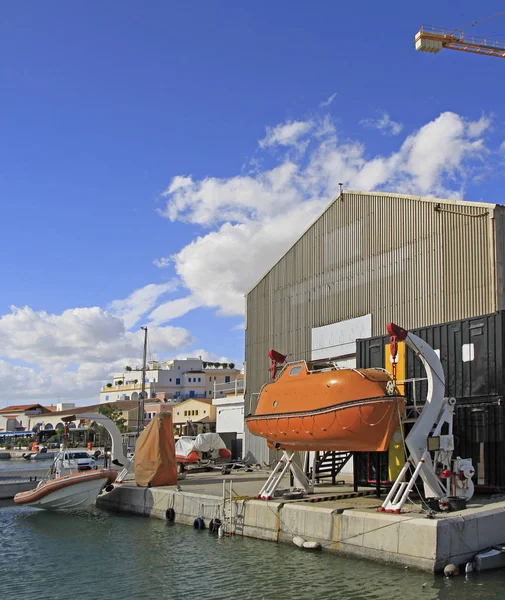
x,y
178,379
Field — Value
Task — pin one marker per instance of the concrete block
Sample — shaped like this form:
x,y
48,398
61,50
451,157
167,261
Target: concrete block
x,y
308,521
351,528
262,520
418,538
381,531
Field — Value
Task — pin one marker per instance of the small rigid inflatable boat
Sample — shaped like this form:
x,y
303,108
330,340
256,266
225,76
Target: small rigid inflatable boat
x,y
78,490
318,406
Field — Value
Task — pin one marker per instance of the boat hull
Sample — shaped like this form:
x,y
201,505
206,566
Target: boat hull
x,y
316,406
359,426
77,491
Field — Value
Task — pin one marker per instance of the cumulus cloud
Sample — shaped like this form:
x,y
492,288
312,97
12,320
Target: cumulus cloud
x,y
70,354
245,224
256,218
328,101
286,134
384,124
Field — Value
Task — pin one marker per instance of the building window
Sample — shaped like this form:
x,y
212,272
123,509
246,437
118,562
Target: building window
x,y
107,397
199,379
185,413
170,380
177,381
227,379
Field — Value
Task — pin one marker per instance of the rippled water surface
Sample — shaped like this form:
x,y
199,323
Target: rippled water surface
x,y
95,555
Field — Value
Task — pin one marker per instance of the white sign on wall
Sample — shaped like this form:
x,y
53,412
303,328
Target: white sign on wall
x,y
339,339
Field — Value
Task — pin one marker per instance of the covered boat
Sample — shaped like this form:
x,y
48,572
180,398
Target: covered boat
x,y
203,450
154,463
319,406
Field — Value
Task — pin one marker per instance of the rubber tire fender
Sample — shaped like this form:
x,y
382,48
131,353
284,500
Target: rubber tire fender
x,y
170,515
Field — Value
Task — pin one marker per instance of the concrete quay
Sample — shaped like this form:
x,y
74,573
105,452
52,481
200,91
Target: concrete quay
x,y
341,523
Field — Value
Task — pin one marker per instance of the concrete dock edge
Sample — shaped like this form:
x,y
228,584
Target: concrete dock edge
x,y
409,540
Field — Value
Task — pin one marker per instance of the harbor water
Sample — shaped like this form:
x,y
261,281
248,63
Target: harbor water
x,y
99,555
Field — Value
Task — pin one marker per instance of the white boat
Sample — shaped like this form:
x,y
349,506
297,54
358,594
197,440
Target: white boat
x,y
67,486
77,490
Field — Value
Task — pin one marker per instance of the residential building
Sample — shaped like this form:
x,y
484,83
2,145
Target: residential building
x,y
193,416
20,416
178,379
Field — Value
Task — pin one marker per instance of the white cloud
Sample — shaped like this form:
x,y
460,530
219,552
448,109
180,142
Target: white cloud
x,y
286,134
502,147
70,354
246,224
171,310
384,124
255,219
477,128
162,262
237,199
328,101
140,302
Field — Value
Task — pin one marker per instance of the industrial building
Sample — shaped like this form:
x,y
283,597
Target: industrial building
x,y
371,258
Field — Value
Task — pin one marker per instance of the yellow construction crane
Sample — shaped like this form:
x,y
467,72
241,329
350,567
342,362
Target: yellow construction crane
x,y
433,39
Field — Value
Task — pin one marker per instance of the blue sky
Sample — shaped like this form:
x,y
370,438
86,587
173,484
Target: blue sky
x,y
205,136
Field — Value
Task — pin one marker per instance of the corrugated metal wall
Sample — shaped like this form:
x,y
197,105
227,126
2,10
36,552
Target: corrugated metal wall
x,y
415,261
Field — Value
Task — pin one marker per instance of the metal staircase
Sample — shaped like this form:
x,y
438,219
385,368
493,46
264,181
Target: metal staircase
x,y
329,464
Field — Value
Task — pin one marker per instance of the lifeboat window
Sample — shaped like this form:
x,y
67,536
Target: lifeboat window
x,y
275,403
296,370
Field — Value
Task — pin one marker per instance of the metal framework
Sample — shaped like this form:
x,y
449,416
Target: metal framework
x,y
433,39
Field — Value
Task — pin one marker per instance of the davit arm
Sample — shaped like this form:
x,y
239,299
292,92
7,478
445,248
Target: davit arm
x,y
117,456
437,474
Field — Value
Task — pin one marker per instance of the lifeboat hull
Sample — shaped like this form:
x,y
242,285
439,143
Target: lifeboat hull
x,y
77,491
328,409
362,427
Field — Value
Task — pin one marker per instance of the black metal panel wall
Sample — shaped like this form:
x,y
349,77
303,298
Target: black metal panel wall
x,y
472,353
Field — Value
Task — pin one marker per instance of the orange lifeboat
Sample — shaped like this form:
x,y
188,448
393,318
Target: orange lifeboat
x,y
318,406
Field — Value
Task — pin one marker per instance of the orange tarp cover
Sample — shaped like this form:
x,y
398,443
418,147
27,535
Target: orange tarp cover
x,y
154,461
